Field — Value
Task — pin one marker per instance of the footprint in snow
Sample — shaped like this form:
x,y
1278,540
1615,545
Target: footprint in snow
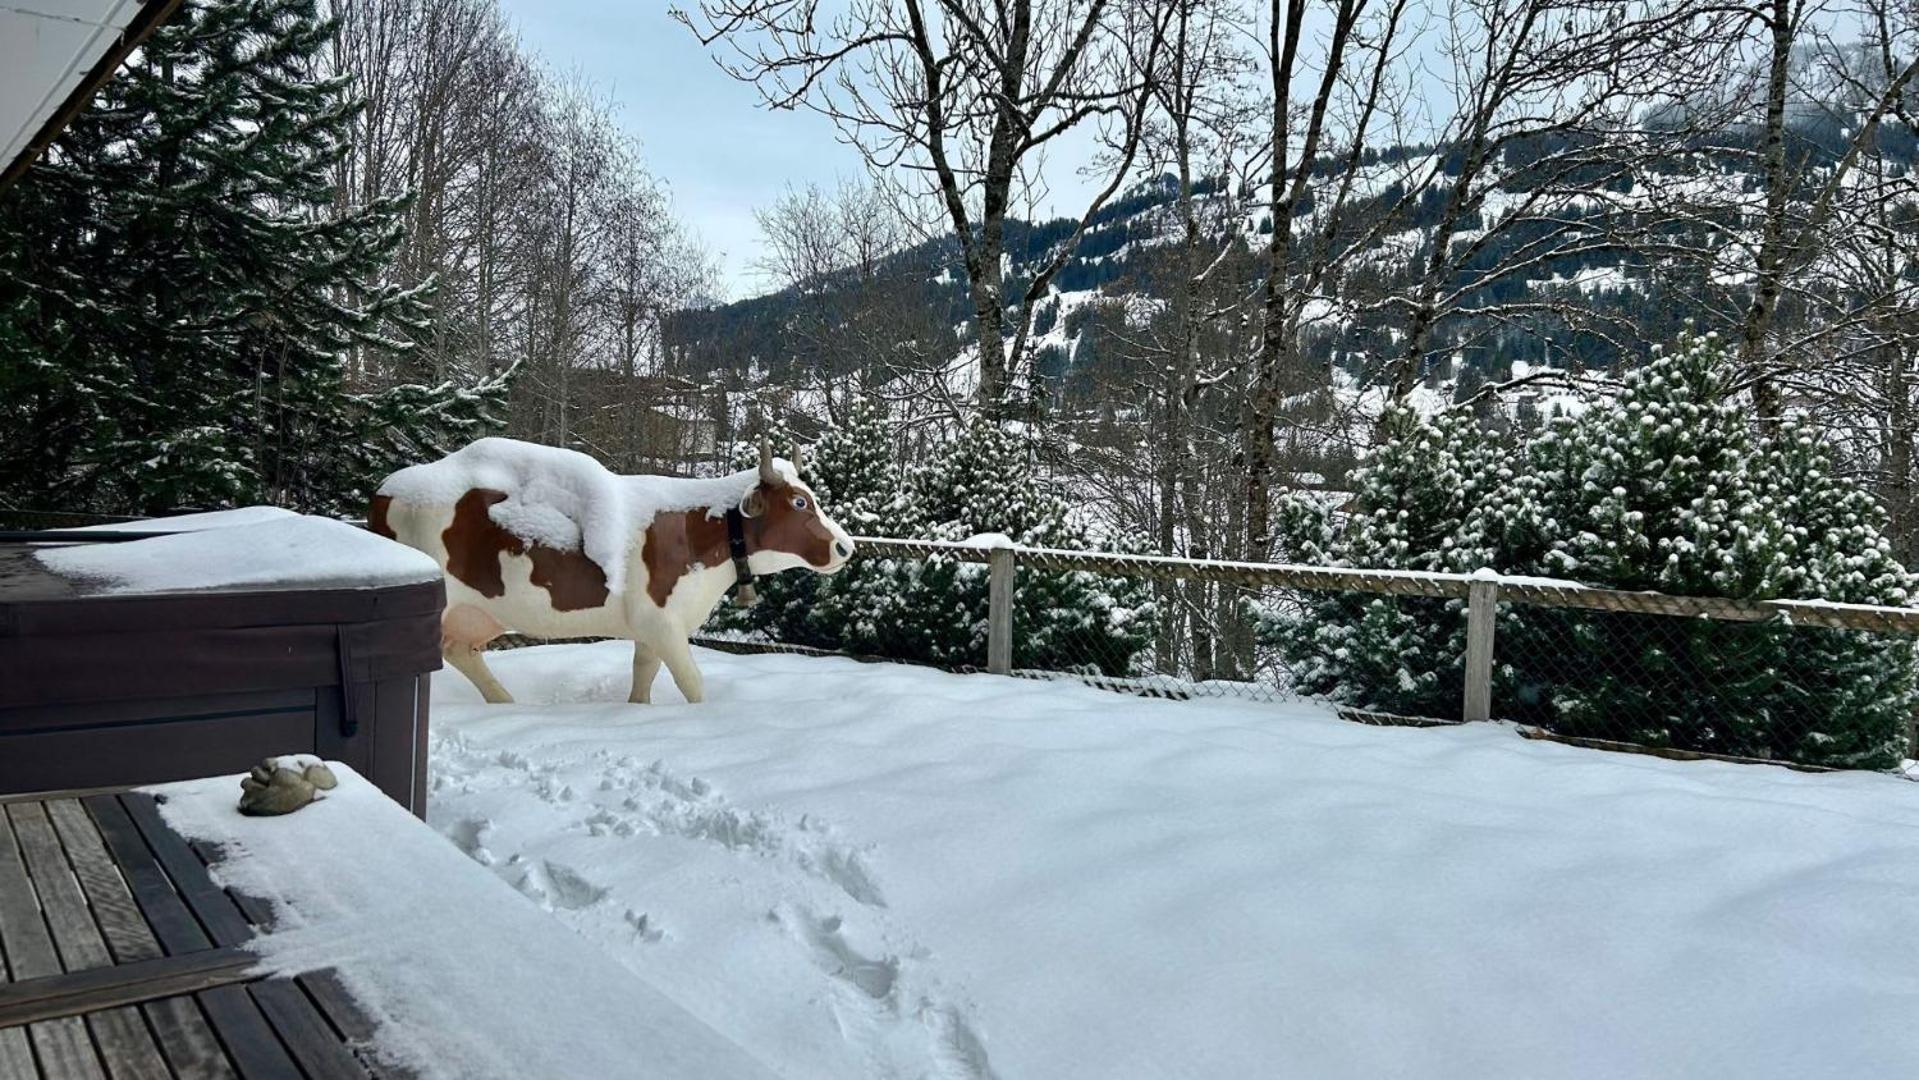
x,y
890,1002
550,884
873,977
654,801
469,835
644,927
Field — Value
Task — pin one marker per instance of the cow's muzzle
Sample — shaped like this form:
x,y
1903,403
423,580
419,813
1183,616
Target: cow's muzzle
x,y
842,552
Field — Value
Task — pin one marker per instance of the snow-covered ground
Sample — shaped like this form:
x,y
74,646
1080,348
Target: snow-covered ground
x,y
880,871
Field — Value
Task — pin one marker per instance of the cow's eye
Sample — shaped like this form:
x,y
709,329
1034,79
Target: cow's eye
x,y
799,502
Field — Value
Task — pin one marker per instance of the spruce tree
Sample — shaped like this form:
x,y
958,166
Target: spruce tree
x,y
934,611
180,291
1668,487
1390,654
1651,491
985,483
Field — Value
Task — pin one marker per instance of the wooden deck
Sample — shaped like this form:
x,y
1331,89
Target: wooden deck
x,y
120,958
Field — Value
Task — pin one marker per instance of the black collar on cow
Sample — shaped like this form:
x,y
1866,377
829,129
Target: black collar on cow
x,y
746,595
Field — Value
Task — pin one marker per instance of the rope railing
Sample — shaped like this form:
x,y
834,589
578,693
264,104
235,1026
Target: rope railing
x,y
1542,592
1808,682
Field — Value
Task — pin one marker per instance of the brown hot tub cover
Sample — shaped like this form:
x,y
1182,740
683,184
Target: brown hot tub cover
x,y
308,636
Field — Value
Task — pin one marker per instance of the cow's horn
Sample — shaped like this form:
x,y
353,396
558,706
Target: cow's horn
x,y
796,457
767,475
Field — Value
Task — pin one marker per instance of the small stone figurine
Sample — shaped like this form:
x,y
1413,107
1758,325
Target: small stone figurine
x,y
281,785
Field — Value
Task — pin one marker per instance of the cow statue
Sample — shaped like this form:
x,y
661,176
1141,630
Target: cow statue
x,y
548,543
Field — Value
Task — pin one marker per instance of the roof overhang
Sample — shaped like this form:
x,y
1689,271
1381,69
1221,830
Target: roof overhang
x,y
54,55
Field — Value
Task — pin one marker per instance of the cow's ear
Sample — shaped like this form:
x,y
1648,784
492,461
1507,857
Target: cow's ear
x,y
754,504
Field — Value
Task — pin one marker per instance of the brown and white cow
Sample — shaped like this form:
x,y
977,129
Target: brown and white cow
x,y
678,566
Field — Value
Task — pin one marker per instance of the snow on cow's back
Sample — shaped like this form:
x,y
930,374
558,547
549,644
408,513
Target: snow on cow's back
x,y
555,497
564,499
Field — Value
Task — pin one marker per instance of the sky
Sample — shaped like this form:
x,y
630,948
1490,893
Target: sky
x,y
720,152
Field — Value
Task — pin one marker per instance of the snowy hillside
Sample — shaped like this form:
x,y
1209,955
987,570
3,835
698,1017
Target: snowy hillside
x,y
878,871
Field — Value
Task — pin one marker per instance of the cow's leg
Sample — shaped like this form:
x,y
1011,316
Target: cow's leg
x,y
464,632
678,655
470,663
646,665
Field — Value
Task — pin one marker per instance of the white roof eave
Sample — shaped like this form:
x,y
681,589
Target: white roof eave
x,y
47,50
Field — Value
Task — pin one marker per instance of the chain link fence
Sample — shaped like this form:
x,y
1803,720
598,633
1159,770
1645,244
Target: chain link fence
x,y
1804,683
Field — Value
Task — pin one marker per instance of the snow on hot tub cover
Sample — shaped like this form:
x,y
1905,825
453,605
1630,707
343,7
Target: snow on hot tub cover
x,y
564,499
255,547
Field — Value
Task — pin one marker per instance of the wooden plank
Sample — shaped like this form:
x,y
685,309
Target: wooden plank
x,y
125,1046
187,1039
338,1006
256,911
76,992
75,936
315,1046
84,912
249,1039
347,1018
65,1050
127,935
1670,752
16,1050
60,793
16,1056
23,933
318,1047
210,904
165,911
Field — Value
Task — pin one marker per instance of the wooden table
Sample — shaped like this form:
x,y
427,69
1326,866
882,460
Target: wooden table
x,y
120,957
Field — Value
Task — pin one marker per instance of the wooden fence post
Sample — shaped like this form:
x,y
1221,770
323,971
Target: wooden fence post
x,y
999,611
1482,604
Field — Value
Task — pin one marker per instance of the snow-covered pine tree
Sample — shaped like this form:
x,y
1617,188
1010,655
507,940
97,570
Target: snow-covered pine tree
x,y
934,611
1646,492
1651,491
1667,487
1392,654
986,483
179,292
1845,697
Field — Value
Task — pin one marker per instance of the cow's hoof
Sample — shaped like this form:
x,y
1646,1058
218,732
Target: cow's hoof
x,y
284,784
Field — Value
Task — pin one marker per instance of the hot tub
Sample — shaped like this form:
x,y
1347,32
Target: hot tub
x,y
237,636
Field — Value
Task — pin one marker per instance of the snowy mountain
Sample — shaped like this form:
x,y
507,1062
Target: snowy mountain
x,y
1534,291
